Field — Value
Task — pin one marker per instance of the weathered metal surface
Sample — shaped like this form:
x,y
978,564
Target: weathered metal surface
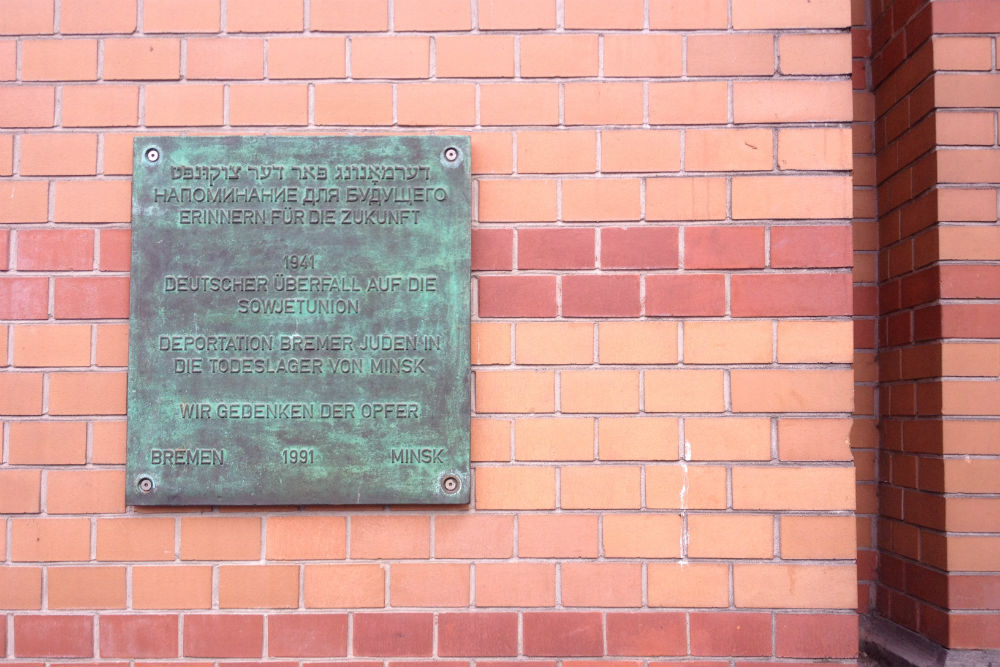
x,y
299,329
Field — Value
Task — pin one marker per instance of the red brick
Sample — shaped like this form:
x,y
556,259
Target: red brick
x,y
694,295
730,54
730,634
555,249
4,255
827,246
686,199
792,294
816,635
24,298
516,296
492,250
27,17
977,16
563,634
54,636
115,249
393,634
97,16
639,248
138,636
27,106
306,635
223,636
647,633
91,297
723,247
600,296
479,634
55,250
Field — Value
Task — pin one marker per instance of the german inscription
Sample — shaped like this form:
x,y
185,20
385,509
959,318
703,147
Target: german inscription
x,y
299,323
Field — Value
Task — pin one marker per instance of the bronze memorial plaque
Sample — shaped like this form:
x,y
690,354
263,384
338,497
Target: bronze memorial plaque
x,y
299,323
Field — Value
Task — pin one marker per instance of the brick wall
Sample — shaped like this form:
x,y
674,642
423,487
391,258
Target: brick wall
x,y
662,334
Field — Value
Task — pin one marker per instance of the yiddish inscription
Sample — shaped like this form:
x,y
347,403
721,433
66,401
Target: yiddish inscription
x,y
299,321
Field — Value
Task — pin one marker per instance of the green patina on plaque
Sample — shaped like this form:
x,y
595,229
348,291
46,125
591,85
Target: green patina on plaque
x,y
299,328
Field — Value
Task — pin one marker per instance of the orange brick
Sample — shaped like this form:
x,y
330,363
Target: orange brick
x,y
730,54
969,398
554,439
390,57
8,61
814,148
87,393
795,586
728,439
268,104
688,585
637,342
728,150
6,161
258,586
29,17
97,16
490,343
640,150
52,345
432,15
100,106
515,391
762,197
21,491
86,587
686,198
554,343
92,201
730,536
516,14
264,16
791,391
175,106
685,487
721,342
675,14
515,584
353,104
49,540
797,488
220,538
142,58
599,391
601,584
815,342
20,588
27,106
973,553
603,103
108,442
558,536
48,443
791,101
306,537
751,15
962,53
172,587
586,200
306,57
688,102
436,104
961,128
474,536
225,58
58,155
85,491
815,54
970,359
594,14
344,586
390,537
642,535
642,55
637,439
112,344
559,55
822,537
24,201
517,201
180,16
135,539
518,104
684,391
349,16
21,394
556,151
969,475
515,487
600,487
429,584
967,205
58,59
492,153
491,440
